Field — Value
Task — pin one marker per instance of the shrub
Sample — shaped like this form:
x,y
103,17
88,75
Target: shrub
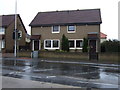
x,y
110,46
85,45
65,43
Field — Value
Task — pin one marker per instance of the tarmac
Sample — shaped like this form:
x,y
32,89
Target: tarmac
x,y
9,82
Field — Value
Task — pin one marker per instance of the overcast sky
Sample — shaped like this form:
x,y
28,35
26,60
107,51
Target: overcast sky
x,y
29,8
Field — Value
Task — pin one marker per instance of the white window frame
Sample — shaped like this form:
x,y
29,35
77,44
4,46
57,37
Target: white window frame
x,y
56,31
71,31
52,44
3,30
75,43
3,44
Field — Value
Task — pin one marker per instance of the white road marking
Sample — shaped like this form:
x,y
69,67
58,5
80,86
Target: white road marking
x,y
50,76
42,70
11,72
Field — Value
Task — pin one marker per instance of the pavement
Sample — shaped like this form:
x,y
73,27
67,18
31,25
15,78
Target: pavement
x,y
9,82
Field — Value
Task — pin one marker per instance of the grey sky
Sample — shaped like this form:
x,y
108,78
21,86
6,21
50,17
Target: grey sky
x,y
29,8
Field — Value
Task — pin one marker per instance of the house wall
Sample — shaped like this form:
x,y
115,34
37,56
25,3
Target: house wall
x,y
81,32
9,42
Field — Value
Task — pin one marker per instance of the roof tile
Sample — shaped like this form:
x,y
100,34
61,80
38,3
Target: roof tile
x,y
67,17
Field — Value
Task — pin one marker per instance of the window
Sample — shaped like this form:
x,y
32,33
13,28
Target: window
x,y
51,44
55,43
3,44
71,44
71,28
79,43
48,43
75,44
55,29
2,30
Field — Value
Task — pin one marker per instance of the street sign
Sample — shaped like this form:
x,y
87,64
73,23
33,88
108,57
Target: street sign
x,y
19,35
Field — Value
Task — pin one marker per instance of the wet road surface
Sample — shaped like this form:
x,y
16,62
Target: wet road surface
x,y
75,74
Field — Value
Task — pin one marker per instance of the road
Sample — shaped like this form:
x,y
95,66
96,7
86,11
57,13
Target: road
x,y
79,74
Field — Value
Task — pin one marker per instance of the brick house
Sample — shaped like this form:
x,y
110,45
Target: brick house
x,y
47,29
6,32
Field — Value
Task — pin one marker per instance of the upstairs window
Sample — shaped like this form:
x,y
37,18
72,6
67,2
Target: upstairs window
x,y
71,29
2,30
55,29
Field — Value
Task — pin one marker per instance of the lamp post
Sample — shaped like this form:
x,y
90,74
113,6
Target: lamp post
x,y
15,46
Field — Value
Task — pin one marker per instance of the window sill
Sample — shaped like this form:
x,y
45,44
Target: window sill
x,y
75,48
71,32
55,32
52,48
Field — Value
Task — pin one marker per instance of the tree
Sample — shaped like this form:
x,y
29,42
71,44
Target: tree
x,y
65,43
85,45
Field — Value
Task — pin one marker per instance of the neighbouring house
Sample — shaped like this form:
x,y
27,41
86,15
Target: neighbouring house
x,y
103,37
47,29
6,32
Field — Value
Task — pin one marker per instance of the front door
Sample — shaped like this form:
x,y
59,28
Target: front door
x,y
92,51
92,45
36,45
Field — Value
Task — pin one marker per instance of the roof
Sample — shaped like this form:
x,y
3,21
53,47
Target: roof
x,y
89,16
8,19
102,35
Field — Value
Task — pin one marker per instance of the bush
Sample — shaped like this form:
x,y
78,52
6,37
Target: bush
x,y
65,43
110,46
85,45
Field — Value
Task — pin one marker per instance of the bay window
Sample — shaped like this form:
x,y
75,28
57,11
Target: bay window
x,y
48,43
75,44
71,43
79,43
55,43
51,44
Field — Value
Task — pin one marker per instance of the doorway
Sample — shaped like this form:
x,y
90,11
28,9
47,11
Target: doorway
x,y
36,45
93,50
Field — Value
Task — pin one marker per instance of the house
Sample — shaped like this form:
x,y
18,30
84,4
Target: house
x,y
103,37
6,32
47,29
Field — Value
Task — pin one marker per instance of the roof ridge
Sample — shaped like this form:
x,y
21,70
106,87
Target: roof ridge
x,y
9,15
69,10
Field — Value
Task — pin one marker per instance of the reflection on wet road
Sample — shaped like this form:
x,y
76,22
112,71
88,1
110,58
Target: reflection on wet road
x,y
63,73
